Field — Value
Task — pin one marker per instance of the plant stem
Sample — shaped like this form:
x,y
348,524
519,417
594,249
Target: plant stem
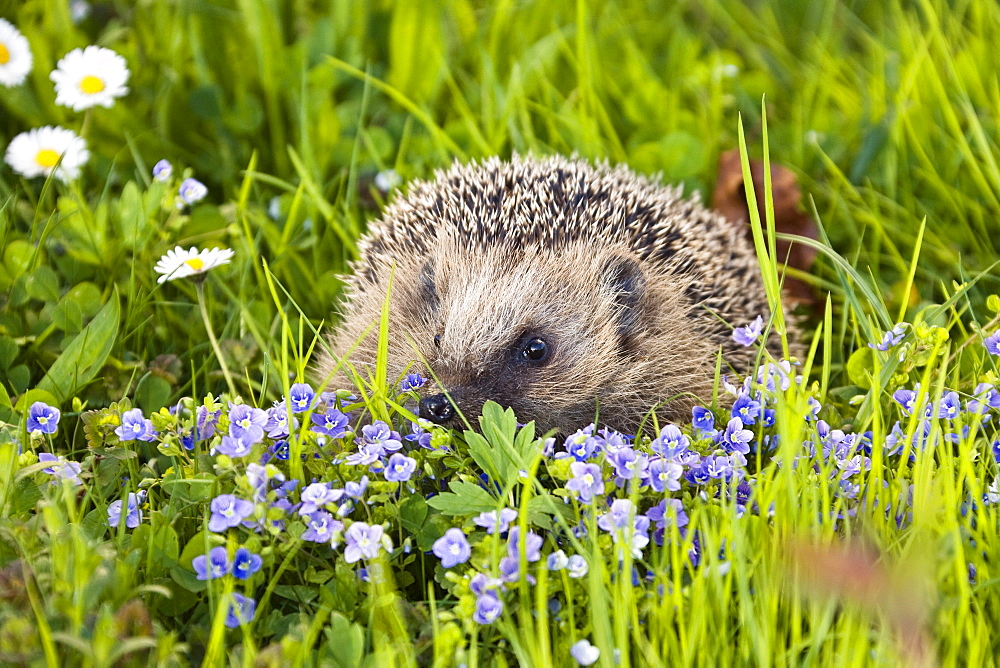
x,y
200,287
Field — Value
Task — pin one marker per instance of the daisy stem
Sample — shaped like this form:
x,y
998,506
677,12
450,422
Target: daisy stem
x,y
200,287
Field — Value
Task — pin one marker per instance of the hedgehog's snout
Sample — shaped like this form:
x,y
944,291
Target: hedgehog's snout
x,y
437,408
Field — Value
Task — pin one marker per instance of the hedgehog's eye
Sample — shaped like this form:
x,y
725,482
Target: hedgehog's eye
x,y
536,350
437,340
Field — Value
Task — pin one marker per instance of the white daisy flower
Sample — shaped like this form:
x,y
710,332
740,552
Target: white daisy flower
x,y
180,263
90,77
15,55
37,153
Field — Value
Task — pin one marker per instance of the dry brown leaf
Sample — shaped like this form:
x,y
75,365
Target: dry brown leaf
x,y
729,199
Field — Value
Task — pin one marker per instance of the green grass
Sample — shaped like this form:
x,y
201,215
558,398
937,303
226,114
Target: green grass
x,y
886,112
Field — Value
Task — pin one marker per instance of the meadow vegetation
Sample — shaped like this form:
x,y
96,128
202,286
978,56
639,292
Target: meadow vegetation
x,y
176,488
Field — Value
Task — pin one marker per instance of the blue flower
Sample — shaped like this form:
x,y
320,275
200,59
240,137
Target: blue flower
x,y
192,191
619,516
891,338
277,421
133,516
332,423
950,406
557,561
162,171
246,563
584,653
301,396
215,565
586,482
672,442
746,335
907,399
135,427
420,434
400,468
234,447
281,450
321,527
206,422
532,545
412,381
488,608
356,490
736,438
241,610
61,468
581,445
495,521
479,584
452,548
577,566
745,408
362,541
665,475
992,343
228,511
317,495
247,423
43,418
380,435
628,464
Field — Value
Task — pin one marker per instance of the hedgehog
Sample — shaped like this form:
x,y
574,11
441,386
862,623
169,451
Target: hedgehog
x,y
568,291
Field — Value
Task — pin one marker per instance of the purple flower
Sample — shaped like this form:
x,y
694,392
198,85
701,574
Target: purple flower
x,y
412,381
992,343
206,422
247,423
452,548
332,423
495,521
420,434
745,408
192,191
746,335
234,447
488,608
581,445
301,396
162,171
950,406
584,653
665,475
619,516
246,563
61,468
400,468
628,463
134,427
362,540
907,399
736,438
214,565
228,511
258,478
586,482
509,569
577,566
557,561
277,421
43,418
668,512
672,442
891,339
532,546
479,584
702,419
379,434
356,490
133,515
366,455
241,610
317,495
321,527
719,467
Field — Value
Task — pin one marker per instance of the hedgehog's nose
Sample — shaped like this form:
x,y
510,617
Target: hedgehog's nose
x,y
437,409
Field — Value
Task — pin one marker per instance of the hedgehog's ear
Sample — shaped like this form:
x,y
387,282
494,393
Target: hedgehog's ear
x,y
427,287
623,277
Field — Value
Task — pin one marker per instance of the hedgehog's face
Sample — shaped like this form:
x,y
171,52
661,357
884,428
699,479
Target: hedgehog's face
x,y
547,335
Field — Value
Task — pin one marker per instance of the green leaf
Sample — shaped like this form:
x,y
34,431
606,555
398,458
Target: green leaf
x,y
412,513
298,593
860,367
152,393
85,356
345,641
465,498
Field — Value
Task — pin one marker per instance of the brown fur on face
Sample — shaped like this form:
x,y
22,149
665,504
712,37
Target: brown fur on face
x,y
616,274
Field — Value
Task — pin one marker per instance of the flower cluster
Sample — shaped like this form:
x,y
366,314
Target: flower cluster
x,y
84,78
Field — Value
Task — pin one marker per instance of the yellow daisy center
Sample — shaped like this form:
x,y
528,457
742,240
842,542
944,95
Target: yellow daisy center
x,y
47,157
195,263
4,54
91,84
